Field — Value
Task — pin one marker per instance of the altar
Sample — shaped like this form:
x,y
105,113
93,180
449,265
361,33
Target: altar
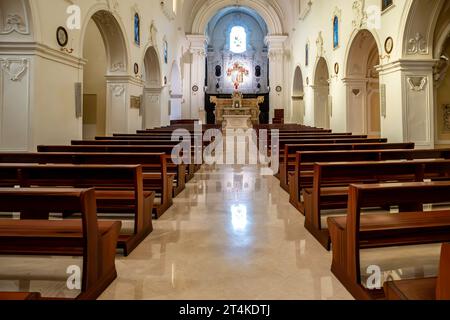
x,y
237,112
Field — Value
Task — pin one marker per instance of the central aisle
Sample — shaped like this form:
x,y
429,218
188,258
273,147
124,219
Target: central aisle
x,y
232,234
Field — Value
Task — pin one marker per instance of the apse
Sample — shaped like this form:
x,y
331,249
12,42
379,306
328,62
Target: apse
x,y
237,56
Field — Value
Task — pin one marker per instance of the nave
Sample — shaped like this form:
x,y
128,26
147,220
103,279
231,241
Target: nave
x,y
238,242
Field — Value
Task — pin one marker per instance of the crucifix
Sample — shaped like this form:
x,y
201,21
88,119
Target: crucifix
x,y
237,73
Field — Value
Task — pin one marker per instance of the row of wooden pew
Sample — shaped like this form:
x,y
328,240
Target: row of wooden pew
x,y
325,172
121,175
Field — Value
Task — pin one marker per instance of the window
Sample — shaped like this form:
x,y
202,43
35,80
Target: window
x,y
238,40
386,4
335,32
137,29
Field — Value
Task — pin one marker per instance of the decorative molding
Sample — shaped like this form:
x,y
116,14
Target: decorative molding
x,y
417,83
118,89
14,23
118,66
319,45
42,51
417,45
15,68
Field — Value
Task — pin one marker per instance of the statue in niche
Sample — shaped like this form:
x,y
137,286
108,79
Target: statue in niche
x,y
319,44
440,70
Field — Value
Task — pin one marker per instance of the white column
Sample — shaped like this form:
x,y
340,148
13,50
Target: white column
x,y
152,107
408,114
15,106
276,49
197,82
356,108
117,104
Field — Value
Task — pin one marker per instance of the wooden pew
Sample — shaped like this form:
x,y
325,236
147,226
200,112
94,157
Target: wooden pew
x,y
118,189
288,157
302,177
331,181
159,161
354,232
191,168
155,173
94,240
19,296
436,288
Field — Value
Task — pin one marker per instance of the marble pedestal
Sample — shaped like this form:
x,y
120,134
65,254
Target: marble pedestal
x,y
233,122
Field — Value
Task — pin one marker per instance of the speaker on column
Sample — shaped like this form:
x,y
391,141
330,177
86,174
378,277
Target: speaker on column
x,y
78,99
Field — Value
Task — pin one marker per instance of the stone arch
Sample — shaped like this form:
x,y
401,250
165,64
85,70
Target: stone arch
x,y
113,35
441,53
419,24
105,91
208,10
363,85
153,87
152,68
298,95
321,89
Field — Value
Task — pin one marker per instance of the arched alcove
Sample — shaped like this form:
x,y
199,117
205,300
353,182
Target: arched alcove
x,y
114,40
298,94
152,89
104,98
321,94
442,76
363,85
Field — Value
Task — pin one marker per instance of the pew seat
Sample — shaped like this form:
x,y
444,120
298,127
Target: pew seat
x,y
19,296
94,240
437,288
357,231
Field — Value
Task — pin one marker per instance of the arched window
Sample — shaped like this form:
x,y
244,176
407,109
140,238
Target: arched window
x,y
137,29
335,32
238,40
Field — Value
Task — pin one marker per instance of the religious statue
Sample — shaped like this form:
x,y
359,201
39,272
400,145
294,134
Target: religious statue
x,y
237,73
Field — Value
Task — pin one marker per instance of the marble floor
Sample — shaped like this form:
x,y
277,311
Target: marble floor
x,y
232,234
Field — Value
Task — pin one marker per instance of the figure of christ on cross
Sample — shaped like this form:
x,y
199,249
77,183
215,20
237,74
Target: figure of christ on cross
x,y
237,73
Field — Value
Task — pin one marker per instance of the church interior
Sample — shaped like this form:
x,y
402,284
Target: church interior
x,y
225,150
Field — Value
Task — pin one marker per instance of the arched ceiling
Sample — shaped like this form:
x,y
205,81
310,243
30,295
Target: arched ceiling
x,y
236,9
282,9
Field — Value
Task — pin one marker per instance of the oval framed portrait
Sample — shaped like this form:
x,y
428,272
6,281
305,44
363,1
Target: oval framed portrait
x,y
195,88
336,68
136,68
389,45
62,36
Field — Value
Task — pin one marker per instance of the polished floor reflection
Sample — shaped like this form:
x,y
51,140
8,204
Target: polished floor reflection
x,y
232,234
